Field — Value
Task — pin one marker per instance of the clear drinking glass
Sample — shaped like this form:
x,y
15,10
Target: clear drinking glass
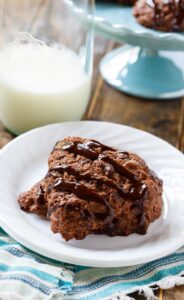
x,y
46,56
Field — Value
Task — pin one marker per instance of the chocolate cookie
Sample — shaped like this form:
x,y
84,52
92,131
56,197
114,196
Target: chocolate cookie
x,y
162,15
93,188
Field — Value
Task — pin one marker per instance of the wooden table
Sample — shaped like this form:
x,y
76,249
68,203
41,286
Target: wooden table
x,y
162,118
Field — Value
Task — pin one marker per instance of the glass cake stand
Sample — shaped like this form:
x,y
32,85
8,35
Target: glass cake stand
x,y
150,65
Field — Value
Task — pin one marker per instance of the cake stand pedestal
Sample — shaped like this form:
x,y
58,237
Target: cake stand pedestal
x,y
144,72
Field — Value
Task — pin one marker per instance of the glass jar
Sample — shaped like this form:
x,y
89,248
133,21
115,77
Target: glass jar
x,y
46,57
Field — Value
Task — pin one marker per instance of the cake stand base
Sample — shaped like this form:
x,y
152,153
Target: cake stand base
x,y
145,73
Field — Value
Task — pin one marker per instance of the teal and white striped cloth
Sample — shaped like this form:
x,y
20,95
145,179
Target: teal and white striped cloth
x,y
25,275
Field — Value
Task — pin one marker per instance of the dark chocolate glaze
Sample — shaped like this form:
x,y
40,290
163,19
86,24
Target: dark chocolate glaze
x,y
88,177
118,167
40,196
86,149
179,15
85,193
93,150
176,8
142,224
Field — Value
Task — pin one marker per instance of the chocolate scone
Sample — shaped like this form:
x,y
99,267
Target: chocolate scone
x,y
162,15
93,188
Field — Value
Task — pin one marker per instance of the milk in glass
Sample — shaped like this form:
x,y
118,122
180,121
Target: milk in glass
x,y
40,84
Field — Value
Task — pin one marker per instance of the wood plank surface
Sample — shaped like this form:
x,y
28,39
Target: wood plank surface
x,y
162,118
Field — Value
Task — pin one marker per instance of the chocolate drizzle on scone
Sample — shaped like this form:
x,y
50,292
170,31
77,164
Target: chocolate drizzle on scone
x,y
93,188
40,196
136,192
174,7
87,194
164,15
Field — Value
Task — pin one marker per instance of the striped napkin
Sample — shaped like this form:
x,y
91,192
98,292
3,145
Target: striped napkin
x,y
25,275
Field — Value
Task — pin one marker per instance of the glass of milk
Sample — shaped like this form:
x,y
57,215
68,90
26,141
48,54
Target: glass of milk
x,y
46,56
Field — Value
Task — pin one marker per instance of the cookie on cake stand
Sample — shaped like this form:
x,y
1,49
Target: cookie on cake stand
x,y
151,65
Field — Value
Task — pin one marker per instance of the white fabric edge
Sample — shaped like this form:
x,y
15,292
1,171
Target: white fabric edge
x,y
148,291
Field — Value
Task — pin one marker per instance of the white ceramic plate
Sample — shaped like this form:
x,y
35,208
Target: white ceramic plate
x,y
24,161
